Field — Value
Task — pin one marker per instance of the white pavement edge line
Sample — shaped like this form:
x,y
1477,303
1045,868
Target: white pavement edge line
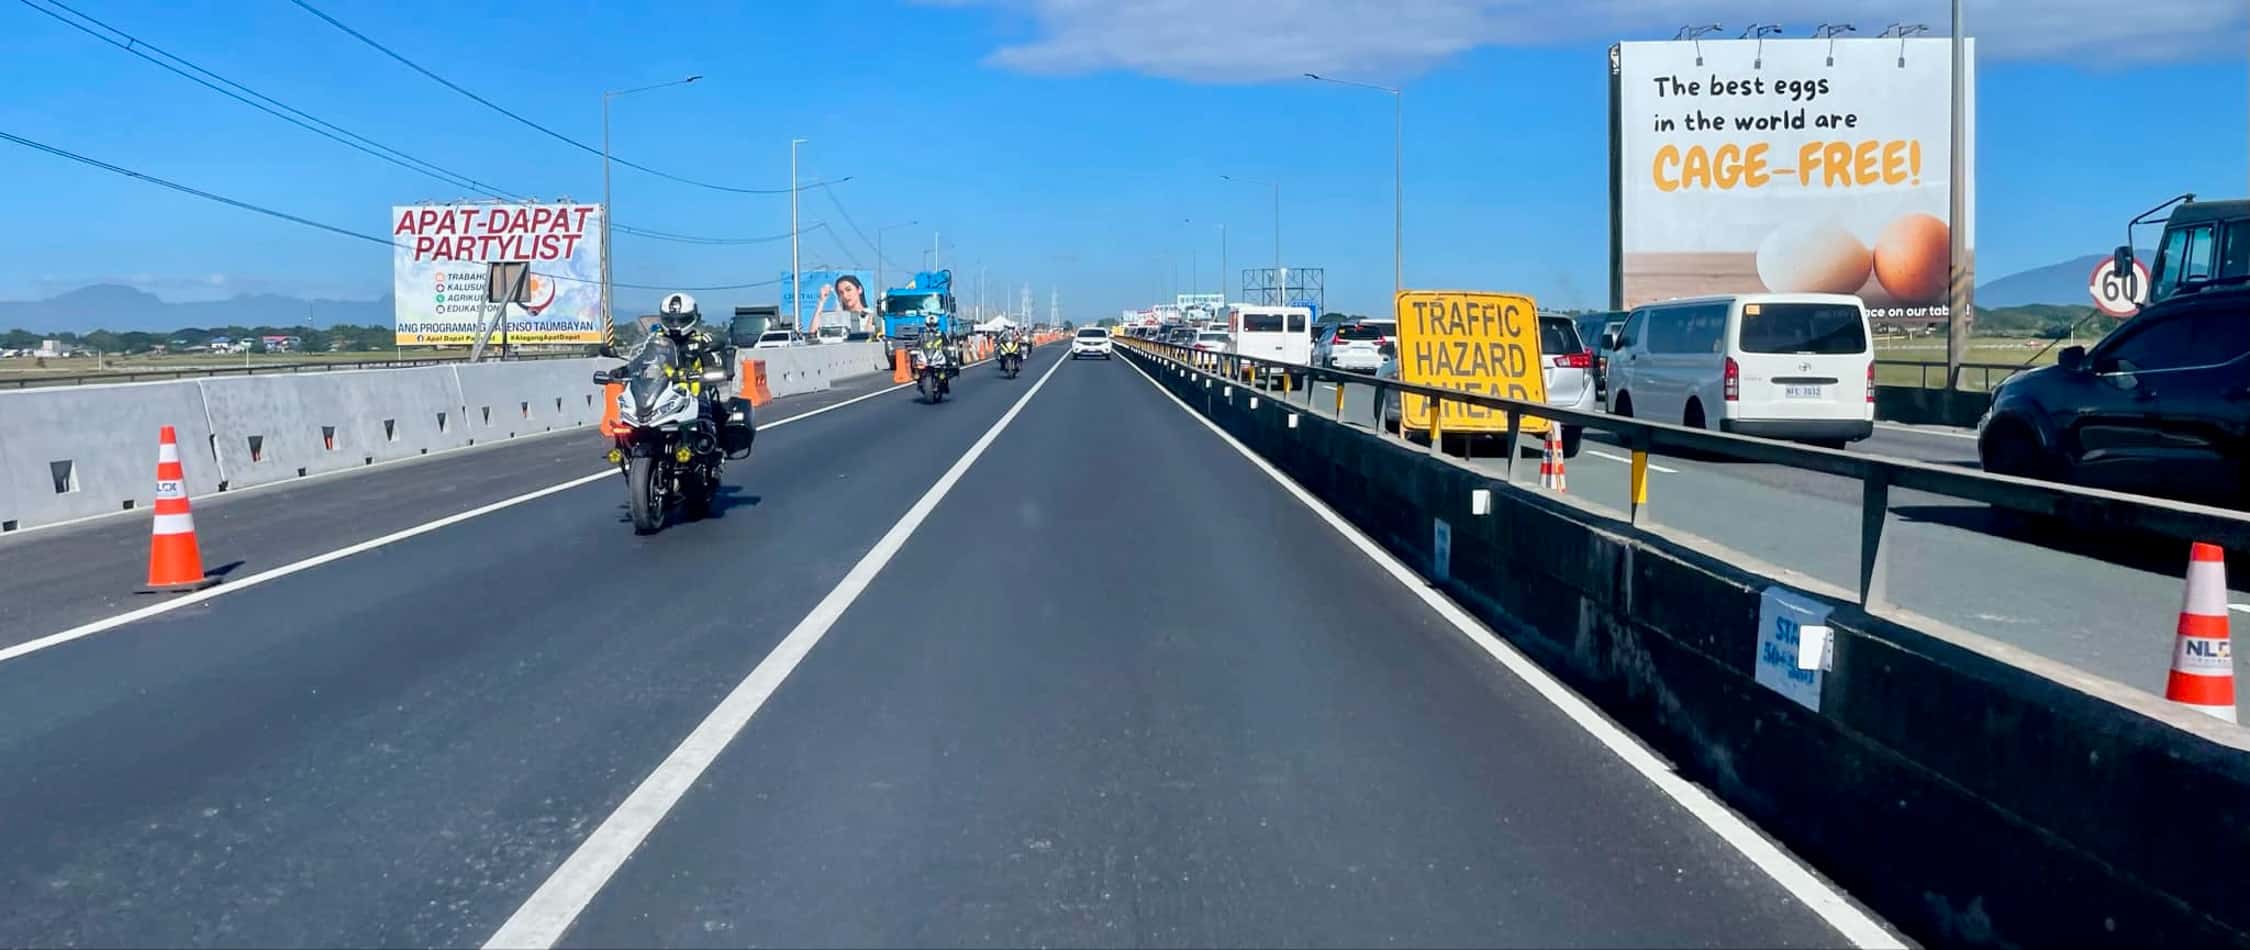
x,y
106,624
551,909
1850,921
1620,458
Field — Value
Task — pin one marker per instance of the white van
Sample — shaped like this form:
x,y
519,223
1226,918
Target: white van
x,y
1783,366
1273,333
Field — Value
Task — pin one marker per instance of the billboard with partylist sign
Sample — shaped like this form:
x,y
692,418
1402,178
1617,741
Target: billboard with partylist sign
x,y
1785,166
438,270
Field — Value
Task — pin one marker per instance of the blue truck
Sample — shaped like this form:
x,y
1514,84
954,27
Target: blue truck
x,y
905,309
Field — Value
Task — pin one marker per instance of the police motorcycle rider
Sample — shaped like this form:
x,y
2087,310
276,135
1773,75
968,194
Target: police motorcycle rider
x,y
691,352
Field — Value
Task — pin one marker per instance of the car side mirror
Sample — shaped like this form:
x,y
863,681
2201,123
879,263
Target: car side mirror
x,y
603,378
2072,358
1611,341
1388,349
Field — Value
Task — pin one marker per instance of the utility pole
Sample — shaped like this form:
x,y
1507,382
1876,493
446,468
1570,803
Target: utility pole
x,y
1222,264
1961,298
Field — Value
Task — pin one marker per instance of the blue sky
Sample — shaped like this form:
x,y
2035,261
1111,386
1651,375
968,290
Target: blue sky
x,y
1070,144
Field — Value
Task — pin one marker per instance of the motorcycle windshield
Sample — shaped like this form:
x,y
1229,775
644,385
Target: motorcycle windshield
x,y
645,372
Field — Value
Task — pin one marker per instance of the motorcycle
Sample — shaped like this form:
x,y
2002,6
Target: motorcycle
x,y
933,373
670,452
1010,357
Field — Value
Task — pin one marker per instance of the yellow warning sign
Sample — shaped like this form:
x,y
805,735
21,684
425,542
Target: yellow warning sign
x,y
1473,341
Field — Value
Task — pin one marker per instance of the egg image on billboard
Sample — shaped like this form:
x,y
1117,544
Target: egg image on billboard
x,y
1816,257
1913,259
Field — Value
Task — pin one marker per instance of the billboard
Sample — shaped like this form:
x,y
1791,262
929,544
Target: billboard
x,y
1473,341
1787,166
438,268
833,297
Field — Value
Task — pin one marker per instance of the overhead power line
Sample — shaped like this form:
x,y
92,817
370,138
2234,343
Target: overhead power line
x,y
197,74
551,133
854,225
308,222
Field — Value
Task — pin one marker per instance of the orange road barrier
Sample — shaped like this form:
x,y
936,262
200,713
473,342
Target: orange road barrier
x,y
175,562
610,392
902,366
757,392
2203,653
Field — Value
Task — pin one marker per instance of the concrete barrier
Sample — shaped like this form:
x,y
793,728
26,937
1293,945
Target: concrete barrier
x,y
275,428
79,451
805,369
74,452
1965,790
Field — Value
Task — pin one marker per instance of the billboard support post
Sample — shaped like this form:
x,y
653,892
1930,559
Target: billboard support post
x,y
514,274
1961,296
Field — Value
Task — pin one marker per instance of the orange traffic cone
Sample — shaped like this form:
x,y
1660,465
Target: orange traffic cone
x,y
2203,654
174,561
902,370
1551,474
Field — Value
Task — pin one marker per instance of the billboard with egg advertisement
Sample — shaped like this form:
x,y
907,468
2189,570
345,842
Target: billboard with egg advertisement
x,y
1814,166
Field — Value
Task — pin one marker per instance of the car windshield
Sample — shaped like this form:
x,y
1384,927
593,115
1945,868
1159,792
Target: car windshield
x,y
909,303
775,336
1360,333
1803,328
1093,333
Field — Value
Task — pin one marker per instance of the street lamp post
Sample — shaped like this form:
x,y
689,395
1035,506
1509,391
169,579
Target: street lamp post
x,y
606,97
796,276
1281,297
1398,174
1222,263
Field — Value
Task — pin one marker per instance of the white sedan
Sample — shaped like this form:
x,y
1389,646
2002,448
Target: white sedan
x,y
1090,341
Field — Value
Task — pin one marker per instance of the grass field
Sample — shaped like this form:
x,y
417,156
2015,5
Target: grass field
x,y
31,368
2008,352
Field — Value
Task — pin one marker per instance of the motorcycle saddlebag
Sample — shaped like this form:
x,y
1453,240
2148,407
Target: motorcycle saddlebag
x,y
737,431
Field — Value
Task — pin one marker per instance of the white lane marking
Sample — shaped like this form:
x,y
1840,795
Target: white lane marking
x,y
1627,460
2239,608
1854,924
167,606
543,918
1927,430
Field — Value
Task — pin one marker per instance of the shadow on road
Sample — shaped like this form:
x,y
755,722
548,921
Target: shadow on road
x,y
2125,548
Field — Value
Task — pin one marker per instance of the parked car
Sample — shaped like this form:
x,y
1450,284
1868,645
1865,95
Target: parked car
x,y
2161,406
1565,369
1090,341
1783,366
1354,347
777,339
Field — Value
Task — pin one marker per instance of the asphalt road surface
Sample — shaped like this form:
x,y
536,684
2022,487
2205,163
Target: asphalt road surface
x,y
1061,689
2108,605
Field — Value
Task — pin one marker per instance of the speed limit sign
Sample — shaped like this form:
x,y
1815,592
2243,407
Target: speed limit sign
x,y
2118,296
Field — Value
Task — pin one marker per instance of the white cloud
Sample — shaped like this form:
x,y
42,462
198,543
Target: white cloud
x,y
1259,40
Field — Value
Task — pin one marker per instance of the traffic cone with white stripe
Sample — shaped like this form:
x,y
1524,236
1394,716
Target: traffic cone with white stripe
x,y
1551,474
2203,653
174,561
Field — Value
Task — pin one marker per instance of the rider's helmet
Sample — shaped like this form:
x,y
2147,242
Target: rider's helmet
x,y
930,323
679,313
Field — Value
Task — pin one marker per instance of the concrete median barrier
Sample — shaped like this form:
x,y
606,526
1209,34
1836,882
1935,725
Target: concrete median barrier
x,y
1969,792
74,452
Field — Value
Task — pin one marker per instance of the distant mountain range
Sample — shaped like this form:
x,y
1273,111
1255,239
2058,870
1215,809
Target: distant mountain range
x,y
122,309
2063,283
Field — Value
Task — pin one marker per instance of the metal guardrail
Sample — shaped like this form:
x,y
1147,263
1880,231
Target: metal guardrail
x,y
1984,371
2095,509
269,369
